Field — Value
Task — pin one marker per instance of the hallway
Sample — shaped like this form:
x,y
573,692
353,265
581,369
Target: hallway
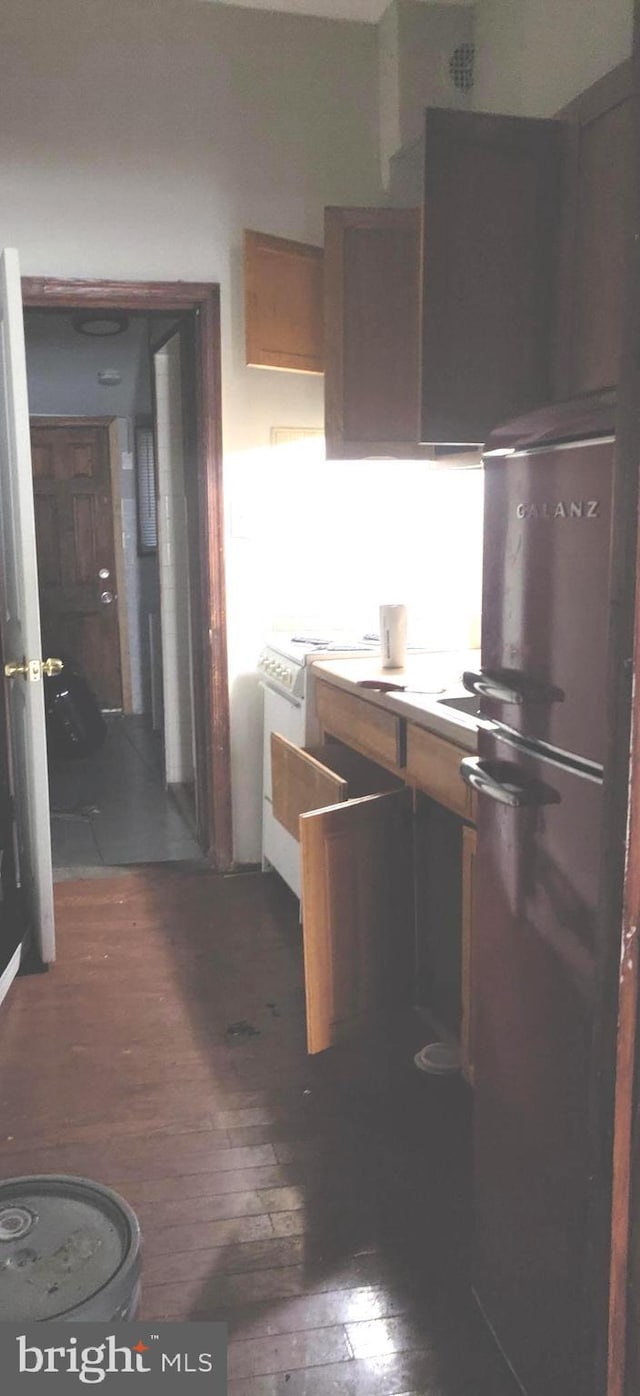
x,y
319,1206
112,808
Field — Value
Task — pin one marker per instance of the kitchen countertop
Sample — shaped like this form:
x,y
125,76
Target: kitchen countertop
x,y
440,673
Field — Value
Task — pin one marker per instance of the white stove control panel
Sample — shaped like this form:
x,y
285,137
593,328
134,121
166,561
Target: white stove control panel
x,y
284,657
282,673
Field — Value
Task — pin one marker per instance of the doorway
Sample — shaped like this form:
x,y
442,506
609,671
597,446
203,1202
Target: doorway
x,y
80,602
167,720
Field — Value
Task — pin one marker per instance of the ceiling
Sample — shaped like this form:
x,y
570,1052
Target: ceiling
x,y
369,11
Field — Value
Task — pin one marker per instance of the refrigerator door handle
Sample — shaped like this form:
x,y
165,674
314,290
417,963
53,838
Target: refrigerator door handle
x,y
502,781
510,686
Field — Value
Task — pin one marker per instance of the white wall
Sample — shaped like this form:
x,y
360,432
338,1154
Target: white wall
x,y
389,86
332,540
533,56
137,139
416,40
429,33
339,538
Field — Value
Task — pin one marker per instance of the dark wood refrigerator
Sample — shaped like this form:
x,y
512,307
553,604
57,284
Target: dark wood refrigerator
x,y
537,937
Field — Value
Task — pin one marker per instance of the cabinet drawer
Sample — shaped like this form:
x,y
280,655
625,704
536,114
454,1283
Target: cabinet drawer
x,y
360,724
304,779
433,764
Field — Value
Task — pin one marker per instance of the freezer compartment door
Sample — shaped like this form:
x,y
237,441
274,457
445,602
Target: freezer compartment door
x,y
533,974
546,595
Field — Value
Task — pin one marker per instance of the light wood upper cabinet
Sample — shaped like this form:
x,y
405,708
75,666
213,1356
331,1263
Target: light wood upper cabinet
x,y
596,220
283,283
358,914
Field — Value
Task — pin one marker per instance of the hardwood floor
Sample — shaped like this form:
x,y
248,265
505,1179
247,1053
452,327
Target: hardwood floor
x,y
319,1206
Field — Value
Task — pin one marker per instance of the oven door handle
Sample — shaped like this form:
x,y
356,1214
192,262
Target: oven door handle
x,y
286,697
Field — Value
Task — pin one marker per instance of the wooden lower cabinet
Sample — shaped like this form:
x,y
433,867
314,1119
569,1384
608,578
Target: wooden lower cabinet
x,y
433,765
353,821
469,840
386,890
437,840
362,725
306,778
357,914
444,854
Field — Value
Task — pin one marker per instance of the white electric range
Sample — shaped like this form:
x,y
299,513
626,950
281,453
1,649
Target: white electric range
x,y
283,669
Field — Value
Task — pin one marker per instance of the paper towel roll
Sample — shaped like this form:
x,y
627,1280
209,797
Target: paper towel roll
x,y
393,636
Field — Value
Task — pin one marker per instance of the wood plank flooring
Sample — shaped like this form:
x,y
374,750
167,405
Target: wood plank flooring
x,y
319,1206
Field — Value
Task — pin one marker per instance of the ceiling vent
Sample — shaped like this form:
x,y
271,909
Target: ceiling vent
x,y
461,64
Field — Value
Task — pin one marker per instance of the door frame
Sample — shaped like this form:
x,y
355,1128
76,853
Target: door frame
x,y
201,301
110,425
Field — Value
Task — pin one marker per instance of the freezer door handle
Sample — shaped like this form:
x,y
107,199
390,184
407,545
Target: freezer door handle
x,y
504,782
510,686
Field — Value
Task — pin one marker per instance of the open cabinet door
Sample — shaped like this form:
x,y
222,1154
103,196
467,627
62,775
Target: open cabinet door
x,y
357,914
372,331
20,624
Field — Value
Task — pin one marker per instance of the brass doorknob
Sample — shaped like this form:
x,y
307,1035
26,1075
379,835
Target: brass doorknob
x,y
33,669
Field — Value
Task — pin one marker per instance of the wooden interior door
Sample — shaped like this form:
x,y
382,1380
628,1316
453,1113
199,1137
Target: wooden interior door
x,y
74,532
27,784
357,914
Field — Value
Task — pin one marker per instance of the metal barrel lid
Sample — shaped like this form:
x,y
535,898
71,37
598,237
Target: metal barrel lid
x,y
69,1248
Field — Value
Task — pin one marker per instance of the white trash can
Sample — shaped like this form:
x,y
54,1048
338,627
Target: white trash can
x,y
69,1249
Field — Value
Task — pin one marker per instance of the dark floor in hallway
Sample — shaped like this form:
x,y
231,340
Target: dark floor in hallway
x,y
320,1206
112,808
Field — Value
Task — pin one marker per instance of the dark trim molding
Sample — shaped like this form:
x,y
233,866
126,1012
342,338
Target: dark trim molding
x,y
202,300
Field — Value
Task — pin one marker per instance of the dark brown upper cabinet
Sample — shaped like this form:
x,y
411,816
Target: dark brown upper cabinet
x,y
372,326
489,270
438,320
596,220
